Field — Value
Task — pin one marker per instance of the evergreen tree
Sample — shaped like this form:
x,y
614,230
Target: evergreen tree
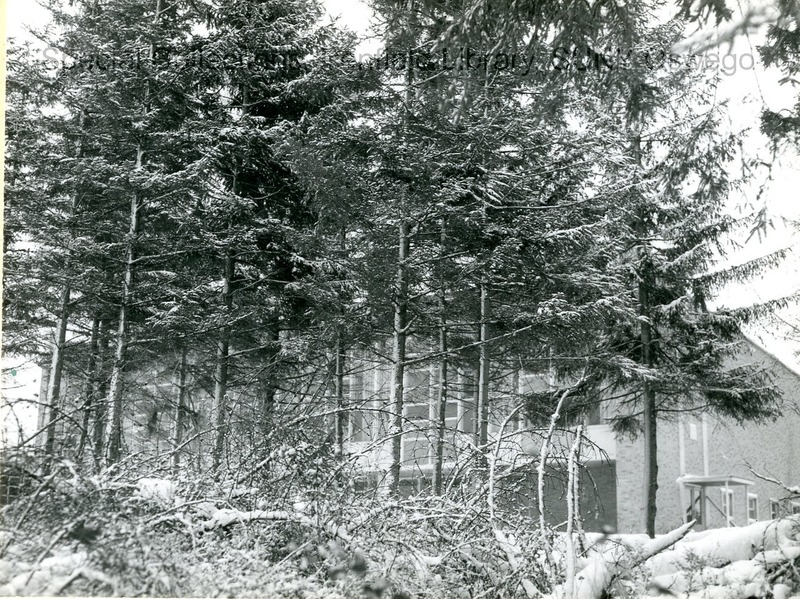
x,y
657,234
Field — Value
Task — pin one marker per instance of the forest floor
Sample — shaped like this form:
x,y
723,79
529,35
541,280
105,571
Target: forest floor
x,y
93,537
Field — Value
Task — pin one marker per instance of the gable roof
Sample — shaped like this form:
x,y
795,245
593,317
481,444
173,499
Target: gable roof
x,y
794,369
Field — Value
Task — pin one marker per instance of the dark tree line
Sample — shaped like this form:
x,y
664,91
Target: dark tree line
x,y
249,227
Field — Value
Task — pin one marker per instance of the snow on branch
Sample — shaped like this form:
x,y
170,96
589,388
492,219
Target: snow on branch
x,y
793,490
226,517
704,40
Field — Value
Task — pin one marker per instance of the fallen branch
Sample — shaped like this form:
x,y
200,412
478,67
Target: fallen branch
x,y
795,490
540,471
226,517
593,580
60,584
495,456
573,514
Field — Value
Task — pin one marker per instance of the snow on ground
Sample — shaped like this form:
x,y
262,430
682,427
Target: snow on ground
x,y
158,491
759,560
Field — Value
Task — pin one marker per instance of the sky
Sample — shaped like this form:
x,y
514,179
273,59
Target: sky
x,y
744,83
748,90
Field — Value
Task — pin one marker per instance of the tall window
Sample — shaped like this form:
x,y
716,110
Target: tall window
x,y
358,424
774,509
464,392
752,508
416,446
727,505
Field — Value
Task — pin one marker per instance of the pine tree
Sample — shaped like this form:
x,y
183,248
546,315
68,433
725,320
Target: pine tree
x,y
257,212
646,198
116,107
669,224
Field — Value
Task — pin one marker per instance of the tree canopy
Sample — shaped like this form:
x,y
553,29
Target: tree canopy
x,y
229,242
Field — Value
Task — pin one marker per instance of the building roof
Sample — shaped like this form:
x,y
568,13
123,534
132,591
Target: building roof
x,y
791,367
714,481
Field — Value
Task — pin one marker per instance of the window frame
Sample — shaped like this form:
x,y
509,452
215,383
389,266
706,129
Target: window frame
x,y
752,497
357,427
727,499
775,509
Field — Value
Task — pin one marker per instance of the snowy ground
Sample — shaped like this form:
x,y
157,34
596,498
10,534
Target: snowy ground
x,y
155,542
759,560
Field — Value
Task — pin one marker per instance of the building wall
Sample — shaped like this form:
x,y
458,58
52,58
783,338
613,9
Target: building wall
x,y
672,463
772,446
772,449
597,488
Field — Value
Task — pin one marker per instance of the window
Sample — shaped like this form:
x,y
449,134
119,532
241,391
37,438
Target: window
x,y
358,427
752,508
418,395
694,511
418,385
357,421
727,504
463,390
410,487
774,509
594,414
795,507
415,448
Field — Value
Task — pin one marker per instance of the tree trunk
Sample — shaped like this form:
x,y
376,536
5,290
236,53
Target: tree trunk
x,y
340,419
649,411
399,355
270,383
650,419
441,403
100,408
442,390
177,435
221,374
89,387
482,409
53,399
397,391
114,443
56,371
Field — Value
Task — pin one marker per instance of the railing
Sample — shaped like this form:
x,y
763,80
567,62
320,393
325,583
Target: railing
x,y
600,445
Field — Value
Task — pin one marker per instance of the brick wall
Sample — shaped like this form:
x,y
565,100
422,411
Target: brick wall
x,y
630,481
598,495
772,449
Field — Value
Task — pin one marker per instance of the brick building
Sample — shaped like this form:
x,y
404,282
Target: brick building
x,y
703,460
703,463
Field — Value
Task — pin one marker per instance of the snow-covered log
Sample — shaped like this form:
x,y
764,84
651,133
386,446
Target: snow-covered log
x,y
51,576
157,491
735,563
226,517
734,560
723,546
612,559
